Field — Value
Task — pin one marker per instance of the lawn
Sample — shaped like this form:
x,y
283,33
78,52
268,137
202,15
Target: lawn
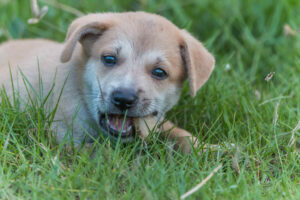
x,y
237,105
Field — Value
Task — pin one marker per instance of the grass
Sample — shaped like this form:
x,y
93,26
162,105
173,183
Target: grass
x,y
235,106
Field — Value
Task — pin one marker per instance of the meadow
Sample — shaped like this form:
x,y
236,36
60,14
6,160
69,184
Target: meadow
x,y
249,38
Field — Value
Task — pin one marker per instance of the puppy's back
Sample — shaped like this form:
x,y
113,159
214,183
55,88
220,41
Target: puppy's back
x,y
16,52
27,56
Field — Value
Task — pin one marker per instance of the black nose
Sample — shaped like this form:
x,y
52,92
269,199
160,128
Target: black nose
x,y
124,98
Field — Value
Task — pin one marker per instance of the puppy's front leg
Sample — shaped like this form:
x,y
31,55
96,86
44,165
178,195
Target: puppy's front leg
x,y
182,138
184,141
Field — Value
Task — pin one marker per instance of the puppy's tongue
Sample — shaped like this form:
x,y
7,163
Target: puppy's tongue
x,y
119,124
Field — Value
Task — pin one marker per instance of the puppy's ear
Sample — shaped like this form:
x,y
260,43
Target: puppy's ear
x,y
83,31
197,60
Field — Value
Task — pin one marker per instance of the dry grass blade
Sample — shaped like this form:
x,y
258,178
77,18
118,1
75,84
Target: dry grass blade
x,y
257,94
227,67
288,31
35,8
43,147
6,142
293,139
197,187
275,99
269,76
37,13
276,114
216,147
64,7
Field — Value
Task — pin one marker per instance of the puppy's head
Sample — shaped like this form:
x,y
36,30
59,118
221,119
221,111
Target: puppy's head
x,y
135,65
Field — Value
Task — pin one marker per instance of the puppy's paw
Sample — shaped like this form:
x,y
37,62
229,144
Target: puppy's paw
x,y
186,144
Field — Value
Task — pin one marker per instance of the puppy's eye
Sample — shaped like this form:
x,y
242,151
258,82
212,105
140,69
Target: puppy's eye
x,y
159,74
109,60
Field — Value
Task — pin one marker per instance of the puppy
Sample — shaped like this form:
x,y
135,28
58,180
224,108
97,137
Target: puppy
x,y
120,74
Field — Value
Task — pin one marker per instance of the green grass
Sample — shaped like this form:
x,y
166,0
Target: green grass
x,y
247,35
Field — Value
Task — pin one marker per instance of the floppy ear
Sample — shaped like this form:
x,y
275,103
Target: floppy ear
x,y
197,60
83,32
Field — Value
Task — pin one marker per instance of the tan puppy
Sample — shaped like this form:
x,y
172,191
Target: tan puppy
x,y
114,64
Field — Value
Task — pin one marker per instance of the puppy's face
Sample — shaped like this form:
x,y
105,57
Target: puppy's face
x,y
135,66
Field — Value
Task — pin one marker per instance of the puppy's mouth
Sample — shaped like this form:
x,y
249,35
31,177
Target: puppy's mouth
x,y
117,125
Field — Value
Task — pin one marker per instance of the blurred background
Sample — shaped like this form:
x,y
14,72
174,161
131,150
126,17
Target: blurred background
x,y
226,26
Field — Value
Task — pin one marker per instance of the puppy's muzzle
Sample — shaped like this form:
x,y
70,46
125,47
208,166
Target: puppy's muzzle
x,y
116,122
124,99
